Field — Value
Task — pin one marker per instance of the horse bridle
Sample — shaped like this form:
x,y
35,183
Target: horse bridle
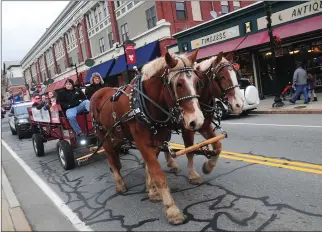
x,y
185,69
215,70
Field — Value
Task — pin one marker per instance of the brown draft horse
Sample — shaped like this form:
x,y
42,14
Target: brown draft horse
x,y
219,79
181,90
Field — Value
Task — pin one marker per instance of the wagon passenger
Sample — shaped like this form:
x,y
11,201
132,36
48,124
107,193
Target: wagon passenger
x,y
73,101
96,82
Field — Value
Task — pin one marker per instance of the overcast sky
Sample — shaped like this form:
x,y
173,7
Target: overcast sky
x,y
23,23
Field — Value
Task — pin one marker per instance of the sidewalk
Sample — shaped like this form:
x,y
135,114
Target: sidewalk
x,y
265,107
13,218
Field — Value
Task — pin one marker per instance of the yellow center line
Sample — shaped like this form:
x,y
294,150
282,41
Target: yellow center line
x,y
274,162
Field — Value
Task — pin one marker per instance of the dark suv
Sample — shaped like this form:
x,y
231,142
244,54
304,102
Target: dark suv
x,y
19,121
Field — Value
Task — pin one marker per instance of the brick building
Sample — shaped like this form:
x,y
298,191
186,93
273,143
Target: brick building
x,y
95,29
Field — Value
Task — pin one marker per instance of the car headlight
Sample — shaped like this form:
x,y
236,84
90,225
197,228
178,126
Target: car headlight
x,y
23,120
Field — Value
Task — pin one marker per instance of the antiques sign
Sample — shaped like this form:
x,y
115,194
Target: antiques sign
x,y
302,10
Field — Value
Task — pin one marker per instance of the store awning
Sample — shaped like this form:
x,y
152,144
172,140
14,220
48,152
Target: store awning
x,y
300,27
288,30
59,84
102,69
236,44
143,55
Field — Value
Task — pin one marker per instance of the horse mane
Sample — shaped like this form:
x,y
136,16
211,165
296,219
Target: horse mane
x,y
204,65
156,65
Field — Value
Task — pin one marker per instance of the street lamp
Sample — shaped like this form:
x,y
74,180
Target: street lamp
x,y
278,102
74,65
124,44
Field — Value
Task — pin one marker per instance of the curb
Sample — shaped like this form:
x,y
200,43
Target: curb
x,y
19,220
286,112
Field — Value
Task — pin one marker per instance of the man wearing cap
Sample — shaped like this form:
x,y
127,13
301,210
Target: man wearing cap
x,y
73,101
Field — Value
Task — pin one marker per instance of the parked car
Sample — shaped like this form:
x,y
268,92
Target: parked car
x,y
251,99
3,112
19,119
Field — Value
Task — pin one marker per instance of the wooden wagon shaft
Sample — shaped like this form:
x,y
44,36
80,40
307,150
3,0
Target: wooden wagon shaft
x,y
199,145
89,155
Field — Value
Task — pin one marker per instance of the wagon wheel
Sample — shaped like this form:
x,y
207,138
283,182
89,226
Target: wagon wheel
x,y
38,145
65,155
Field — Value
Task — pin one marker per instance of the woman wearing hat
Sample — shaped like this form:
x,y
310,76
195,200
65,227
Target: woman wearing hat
x,y
73,101
96,84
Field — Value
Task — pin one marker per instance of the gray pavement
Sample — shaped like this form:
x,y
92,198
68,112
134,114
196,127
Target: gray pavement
x,y
236,196
314,107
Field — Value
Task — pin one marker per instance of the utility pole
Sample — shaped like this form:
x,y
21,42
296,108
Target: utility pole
x,y
278,102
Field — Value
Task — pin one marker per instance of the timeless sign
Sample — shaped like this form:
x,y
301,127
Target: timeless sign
x,y
215,37
293,13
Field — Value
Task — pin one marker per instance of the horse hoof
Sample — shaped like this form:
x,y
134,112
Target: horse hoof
x,y
175,170
174,215
196,180
122,189
205,170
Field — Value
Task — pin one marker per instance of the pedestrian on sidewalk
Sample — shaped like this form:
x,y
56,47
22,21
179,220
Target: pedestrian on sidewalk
x,y
300,83
311,86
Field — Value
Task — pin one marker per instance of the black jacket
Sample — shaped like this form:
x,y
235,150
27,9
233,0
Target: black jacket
x,y
90,90
70,98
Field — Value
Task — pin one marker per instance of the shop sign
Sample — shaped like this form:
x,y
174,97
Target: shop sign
x,y
215,37
293,13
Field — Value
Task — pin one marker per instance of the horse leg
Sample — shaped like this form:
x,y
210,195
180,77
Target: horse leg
x,y
194,177
210,164
171,163
149,154
151,187
115,164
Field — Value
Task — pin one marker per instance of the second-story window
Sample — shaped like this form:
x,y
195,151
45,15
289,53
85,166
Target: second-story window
x,y
118,3
151,17
125,32
181,11
70,61
95,16
80,31
236,5
110,39
105,9
224,7
99,14
102,44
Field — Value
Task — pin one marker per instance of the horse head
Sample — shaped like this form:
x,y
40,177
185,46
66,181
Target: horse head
x,y
223,76
179,77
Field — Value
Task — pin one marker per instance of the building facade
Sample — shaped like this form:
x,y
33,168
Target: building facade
x,y
12,81
95,29
297,24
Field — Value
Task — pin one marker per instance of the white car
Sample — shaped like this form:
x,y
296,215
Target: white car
x,y
251,99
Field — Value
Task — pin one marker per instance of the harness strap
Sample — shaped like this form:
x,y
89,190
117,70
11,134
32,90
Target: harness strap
x,y
149,99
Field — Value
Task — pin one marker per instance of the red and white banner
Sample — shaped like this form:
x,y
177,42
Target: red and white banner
x,y
130,53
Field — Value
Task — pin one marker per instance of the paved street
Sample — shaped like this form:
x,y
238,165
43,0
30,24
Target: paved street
x,y
268,178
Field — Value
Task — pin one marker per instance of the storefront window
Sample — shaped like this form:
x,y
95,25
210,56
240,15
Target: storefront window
x,y
245,64
310,53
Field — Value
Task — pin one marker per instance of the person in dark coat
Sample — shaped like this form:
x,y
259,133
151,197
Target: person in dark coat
x,y
96,82
73,101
